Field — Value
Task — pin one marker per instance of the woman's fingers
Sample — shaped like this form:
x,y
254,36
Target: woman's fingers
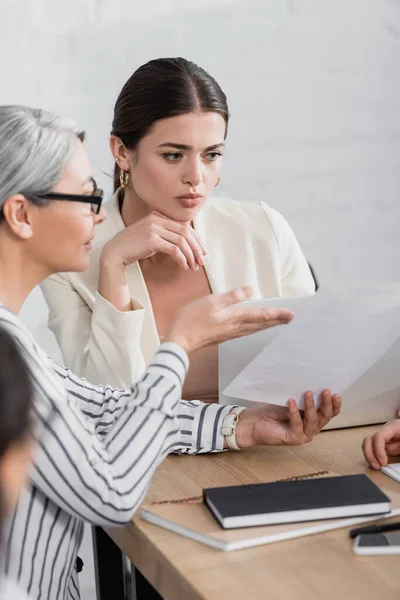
x,y
247,319
241,328
199,243
176,227
181,233
379,448
388,435
227,299
296,427
214,319
188,233
375,446
384,442
253,316
329,408
337,404
304,428
369,453
247,328
393,448
325,411
185,247
277,314
310,419
175,252
146,237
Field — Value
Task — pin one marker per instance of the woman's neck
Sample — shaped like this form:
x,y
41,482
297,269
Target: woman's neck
x,y
19,273
132,207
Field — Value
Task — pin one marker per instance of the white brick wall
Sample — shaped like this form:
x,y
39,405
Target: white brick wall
x,y
313,88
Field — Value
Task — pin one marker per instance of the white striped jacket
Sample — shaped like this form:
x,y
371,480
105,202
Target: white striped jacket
x,y
9,591
97,449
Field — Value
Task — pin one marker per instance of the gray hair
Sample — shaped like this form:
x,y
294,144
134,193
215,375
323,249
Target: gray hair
x,y
35,147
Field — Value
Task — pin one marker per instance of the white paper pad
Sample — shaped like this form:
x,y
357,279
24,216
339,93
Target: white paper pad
x,y
330,345
393,470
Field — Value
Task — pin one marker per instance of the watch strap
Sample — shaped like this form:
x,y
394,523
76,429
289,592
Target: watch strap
x,y
229,425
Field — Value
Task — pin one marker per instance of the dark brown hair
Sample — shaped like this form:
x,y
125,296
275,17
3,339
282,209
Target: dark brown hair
x,y
162,88
16,399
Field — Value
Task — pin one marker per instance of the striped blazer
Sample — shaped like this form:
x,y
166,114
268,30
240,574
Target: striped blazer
x,y
97,449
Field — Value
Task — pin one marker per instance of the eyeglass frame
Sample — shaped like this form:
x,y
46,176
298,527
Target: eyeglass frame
x,y
94,200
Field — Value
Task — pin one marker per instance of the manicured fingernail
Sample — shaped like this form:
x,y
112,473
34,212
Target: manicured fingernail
x,y
240,295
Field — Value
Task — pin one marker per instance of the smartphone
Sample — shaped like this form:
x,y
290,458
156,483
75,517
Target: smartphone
x,y
377,543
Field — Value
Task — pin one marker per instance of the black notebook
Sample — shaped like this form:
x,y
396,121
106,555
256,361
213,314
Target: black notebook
x,y
295,501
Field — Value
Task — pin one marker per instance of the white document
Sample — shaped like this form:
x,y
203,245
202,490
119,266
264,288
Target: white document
x,y
329,345
393,470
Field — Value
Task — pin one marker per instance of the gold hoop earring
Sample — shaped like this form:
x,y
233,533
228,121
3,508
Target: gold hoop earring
x,y
124,178
218,180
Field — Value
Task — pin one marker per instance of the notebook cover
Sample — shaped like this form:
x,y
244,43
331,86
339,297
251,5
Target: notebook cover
x,y
288,496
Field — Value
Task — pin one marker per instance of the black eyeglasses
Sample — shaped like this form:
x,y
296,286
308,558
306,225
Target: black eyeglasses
x,y
95,198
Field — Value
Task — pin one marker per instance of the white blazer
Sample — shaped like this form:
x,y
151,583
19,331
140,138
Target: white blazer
x,y
248,243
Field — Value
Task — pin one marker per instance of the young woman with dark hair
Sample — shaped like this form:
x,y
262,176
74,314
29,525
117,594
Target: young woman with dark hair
x,y
166,242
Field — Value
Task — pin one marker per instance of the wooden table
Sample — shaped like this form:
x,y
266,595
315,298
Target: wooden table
x,y
318,567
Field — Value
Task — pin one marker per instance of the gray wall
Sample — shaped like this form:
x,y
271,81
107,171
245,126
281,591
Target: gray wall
x,y
314,92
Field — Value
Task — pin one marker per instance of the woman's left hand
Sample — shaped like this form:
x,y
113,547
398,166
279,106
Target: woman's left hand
x,y
271,425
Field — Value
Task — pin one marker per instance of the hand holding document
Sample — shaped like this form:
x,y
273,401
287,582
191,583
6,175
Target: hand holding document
x,y
329,345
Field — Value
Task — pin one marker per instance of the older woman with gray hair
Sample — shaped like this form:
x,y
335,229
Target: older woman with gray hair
x,y
98,447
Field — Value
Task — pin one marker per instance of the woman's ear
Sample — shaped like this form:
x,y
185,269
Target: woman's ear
x,y
120,153
16,215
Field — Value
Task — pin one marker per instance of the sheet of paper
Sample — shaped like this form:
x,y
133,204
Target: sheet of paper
x,y
393,470
329,346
